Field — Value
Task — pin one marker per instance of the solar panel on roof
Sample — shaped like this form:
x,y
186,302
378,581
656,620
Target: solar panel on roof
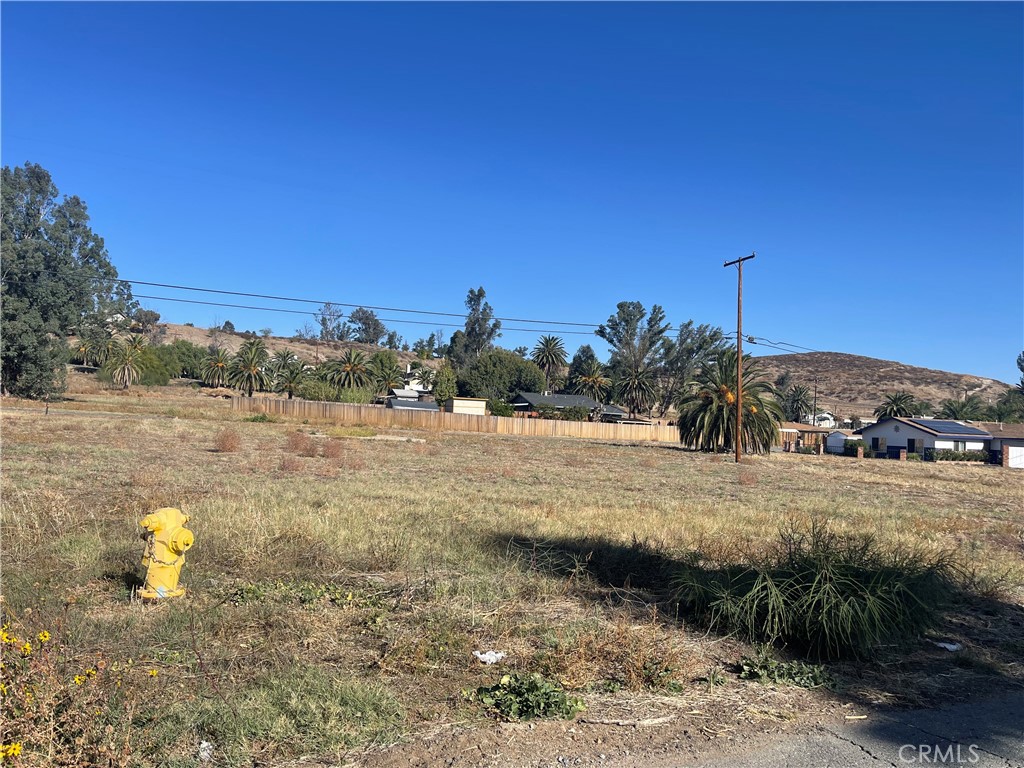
x,y
948,427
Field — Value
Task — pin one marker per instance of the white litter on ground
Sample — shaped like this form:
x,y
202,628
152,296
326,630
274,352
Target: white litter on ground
x,y
490,657
948,646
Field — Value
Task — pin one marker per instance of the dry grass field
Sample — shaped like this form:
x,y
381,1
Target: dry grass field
x,y
341,580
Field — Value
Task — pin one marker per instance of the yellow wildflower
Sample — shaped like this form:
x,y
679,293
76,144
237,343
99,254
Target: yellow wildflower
x,y
26,649
152,673
90,673
79,679
44,636
10,750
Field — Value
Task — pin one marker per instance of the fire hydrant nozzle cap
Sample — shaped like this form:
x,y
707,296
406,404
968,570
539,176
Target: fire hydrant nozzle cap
x,y
182,540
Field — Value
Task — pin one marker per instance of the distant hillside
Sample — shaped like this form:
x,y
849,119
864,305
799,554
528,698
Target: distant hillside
x,y
856,385
309,351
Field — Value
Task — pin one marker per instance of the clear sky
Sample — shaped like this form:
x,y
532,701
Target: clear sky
x,y
564,156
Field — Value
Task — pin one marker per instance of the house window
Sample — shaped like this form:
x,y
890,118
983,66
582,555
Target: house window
x,y
959,445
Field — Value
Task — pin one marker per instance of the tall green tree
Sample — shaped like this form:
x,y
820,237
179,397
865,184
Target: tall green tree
x,y
385,372
707,412
445,383
290,377
581,361
591,381
638,343
366,326
56,278
896,404
216,367
797,402
693,346
481,327
349,371
971,408
550,357
123,364
500,375
248,370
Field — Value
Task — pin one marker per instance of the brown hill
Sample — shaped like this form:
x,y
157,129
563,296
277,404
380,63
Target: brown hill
x,y
854,385
309,351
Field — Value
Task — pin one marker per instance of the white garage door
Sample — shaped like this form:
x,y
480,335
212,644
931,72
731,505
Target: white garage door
x,y
1017,457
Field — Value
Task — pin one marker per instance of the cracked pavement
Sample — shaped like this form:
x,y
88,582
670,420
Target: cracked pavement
x,y
984,734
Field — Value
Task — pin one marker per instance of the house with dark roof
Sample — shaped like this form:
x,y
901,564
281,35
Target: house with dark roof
x,y
527,403
916,435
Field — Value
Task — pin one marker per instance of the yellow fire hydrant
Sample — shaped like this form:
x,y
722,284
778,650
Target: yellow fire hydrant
x,y
167,540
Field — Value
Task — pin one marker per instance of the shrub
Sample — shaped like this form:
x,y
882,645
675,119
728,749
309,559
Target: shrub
x,y
301,444
317,389
764,668
356,396
549,412
828,595
850,449
261,418
575,413
913,457
500,408
227,441
524,697
946,454
333,449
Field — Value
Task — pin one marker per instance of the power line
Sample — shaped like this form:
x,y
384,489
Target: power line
x,y
758,340
340,317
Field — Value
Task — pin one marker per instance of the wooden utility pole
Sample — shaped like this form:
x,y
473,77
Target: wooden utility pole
x,y
738,437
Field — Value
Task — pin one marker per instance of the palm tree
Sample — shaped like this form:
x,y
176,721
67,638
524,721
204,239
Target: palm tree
x,y
707,416
137,342
214,369
897,404
282,359
248,368
635,388
549,355
348,372
592,381
796,403
426,375
385,373
971,407
83,351
290,377
123,365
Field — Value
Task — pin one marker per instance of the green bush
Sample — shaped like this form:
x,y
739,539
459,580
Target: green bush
x,y
549,412
525,697
828,595
850,449
356,395
913,457
575,413
317,389
764,668
947,454
500,408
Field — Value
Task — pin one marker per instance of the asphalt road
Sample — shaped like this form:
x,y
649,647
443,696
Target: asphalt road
x,y
988,734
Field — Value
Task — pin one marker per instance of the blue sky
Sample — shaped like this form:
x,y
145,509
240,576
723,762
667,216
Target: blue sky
x,y
564,156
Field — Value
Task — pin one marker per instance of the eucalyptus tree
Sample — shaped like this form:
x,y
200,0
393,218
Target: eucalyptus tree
x,y
693,346
550,357
248,369
707,413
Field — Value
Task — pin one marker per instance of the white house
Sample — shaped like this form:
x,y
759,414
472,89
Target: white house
x,y
915,435
835,442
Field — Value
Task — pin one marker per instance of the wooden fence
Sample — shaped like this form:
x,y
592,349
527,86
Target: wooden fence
x,y
377,416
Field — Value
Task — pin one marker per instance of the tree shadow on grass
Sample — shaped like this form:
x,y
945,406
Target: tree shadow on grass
x,y
988,632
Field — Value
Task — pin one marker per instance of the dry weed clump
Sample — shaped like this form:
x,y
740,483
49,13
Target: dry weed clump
x,y
227,441
290,464
302,444
747,479
333,449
